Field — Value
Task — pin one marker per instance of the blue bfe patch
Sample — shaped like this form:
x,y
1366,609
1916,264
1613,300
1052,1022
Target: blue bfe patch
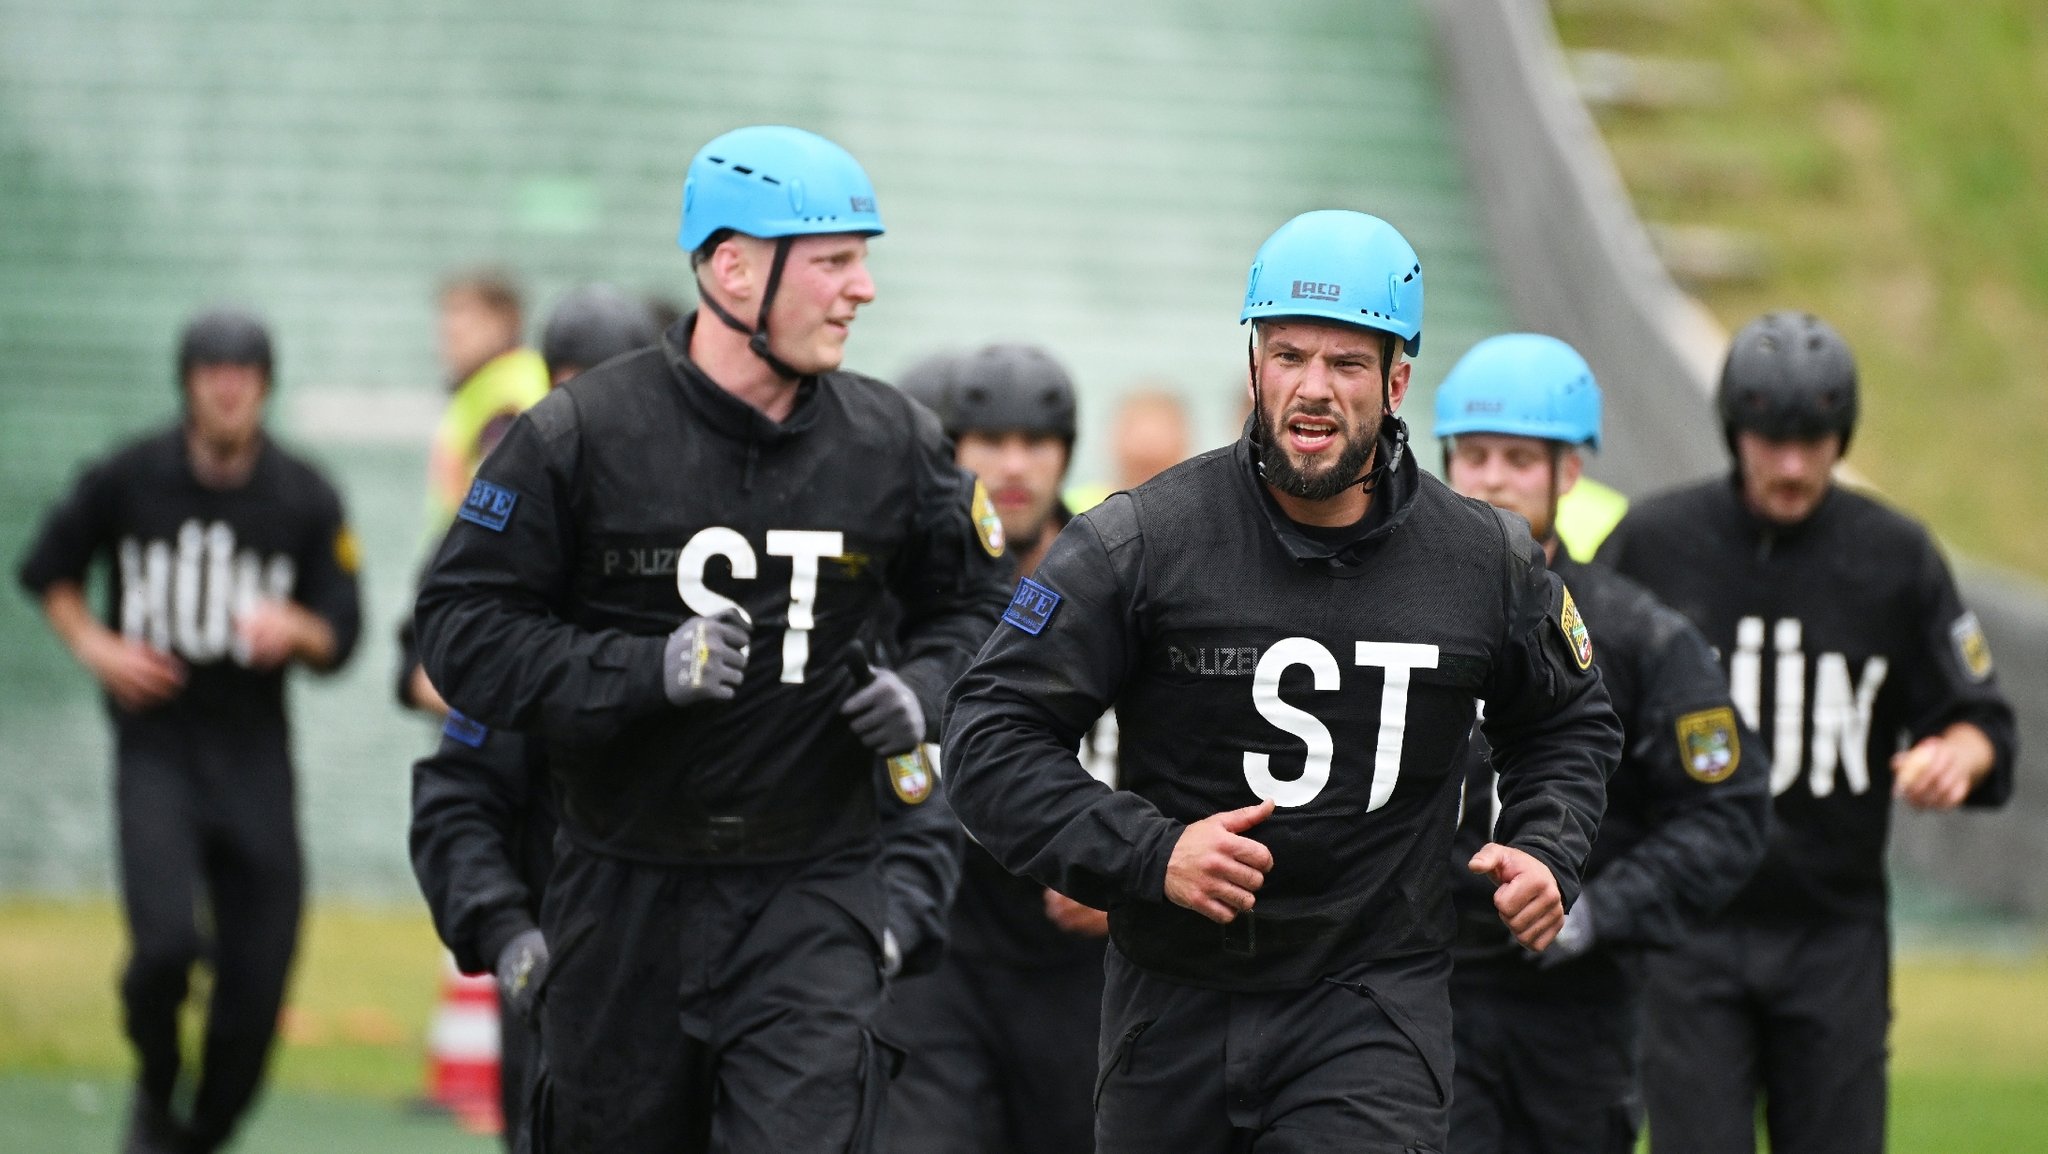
x,y
466,730
488,505
1031,609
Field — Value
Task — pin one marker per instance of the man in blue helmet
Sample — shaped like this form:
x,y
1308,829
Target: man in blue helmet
x,y
1837,619
1686,809
662,575
1296,632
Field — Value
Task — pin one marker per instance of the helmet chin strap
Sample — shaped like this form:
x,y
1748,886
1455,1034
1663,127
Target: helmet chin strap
x,y
757,336
1371,479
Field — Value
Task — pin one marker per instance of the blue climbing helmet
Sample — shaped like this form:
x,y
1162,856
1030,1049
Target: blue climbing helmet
x,y
776,183
1521,385
772,181
1337,265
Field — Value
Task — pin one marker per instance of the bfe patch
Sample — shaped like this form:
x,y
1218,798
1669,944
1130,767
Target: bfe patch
x,y
1031,609
1709,743
488,505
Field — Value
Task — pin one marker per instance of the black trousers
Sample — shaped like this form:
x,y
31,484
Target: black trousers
x,y
1543,1070
1360,1062
1795,1013
999,1059
210,870
711,1007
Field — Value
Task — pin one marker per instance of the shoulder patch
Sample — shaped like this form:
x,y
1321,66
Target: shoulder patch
x,y
1709,745
1972,651
1031,609
1576,638
466,730
348,552
488,505
987,526
910,775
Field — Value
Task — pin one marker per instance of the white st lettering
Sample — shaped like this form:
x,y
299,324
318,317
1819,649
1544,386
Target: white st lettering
x,y
805,548
1315,771
1398,660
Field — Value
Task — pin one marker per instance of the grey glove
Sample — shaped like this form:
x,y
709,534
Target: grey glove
x,y
705,659
522,965
1573,940
885,715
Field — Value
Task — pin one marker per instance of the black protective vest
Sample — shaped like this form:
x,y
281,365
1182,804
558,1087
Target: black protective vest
x,y
1347,684
666,497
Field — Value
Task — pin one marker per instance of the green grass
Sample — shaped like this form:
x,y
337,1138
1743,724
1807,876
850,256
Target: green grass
x,y
50,1115
1970,1041
361,995
1891,154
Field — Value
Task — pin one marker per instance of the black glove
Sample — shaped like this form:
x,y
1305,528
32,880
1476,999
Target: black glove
x,y
1572,941
705,659
522,966
885,715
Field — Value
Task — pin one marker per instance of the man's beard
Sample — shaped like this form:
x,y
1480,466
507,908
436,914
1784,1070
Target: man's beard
x,y
1280,471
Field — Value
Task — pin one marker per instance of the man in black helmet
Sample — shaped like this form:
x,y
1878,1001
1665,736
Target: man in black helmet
x,y
1847,646
229,561
661,574
483,818
590,325
1000,1042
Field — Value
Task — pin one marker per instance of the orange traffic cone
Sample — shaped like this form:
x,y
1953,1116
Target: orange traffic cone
x,y
462,1050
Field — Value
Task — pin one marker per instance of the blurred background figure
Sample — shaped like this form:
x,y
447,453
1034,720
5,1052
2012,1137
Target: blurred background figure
x,y
1001,1039
589,326
229,561
491,380
1881,688
1150,435
483,818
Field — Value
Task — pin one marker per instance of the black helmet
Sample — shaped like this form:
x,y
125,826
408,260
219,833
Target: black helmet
x,y
1010,388
593,324
224,337
1788,374
930,381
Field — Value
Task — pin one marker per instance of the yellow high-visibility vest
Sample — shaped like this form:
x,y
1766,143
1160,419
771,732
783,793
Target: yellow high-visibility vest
x,y
1586,515
507,385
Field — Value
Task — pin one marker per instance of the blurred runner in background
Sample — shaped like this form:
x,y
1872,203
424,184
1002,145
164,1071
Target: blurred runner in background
x,y
483,814
491,380
1000,1041
1549,1049
229,560
1844,638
